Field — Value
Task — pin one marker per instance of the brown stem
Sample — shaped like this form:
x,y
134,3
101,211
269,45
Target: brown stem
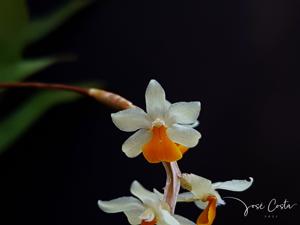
x,y
108,98
118,102
172,184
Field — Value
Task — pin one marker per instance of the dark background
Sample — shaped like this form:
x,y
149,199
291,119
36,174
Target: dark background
x,y
239,58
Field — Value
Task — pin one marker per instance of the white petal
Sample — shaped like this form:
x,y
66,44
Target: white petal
x,y
183,135
159,194
143,194
193,124
165,218
220,201
234,185
120,205
184,112
132,147
131,119
156,103
199,186
168,104
200,204
133,216
186,197
183,221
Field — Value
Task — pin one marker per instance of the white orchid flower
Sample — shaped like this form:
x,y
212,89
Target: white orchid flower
x,y
146,209
165,132
203,192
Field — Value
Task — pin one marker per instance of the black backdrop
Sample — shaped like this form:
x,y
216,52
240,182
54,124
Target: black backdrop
x,y
239,58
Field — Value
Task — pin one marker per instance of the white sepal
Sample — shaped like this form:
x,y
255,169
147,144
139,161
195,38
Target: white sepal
x,y
183,135
132,147
183,221
120,204
131,119
133,216
143,194
184,112
165,218
186,197
233,185
156,103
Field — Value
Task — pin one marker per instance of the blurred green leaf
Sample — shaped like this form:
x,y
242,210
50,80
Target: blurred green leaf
x,y
20,70
14,125
39,28
13,19
16,31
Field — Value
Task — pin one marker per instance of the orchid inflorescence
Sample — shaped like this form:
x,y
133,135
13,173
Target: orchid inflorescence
x,y
164,134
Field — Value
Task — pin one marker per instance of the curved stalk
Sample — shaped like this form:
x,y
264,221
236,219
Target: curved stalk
x,y
172,187
116,101
105,97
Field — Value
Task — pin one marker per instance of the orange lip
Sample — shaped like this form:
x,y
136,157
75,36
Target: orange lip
x,y
208,215
161,149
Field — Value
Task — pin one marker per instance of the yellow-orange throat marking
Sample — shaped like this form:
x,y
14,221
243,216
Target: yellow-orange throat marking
x,y
161,148
153,222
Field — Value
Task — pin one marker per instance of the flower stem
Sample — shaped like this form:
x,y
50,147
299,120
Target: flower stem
x,y
107,98
172,184
115,101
